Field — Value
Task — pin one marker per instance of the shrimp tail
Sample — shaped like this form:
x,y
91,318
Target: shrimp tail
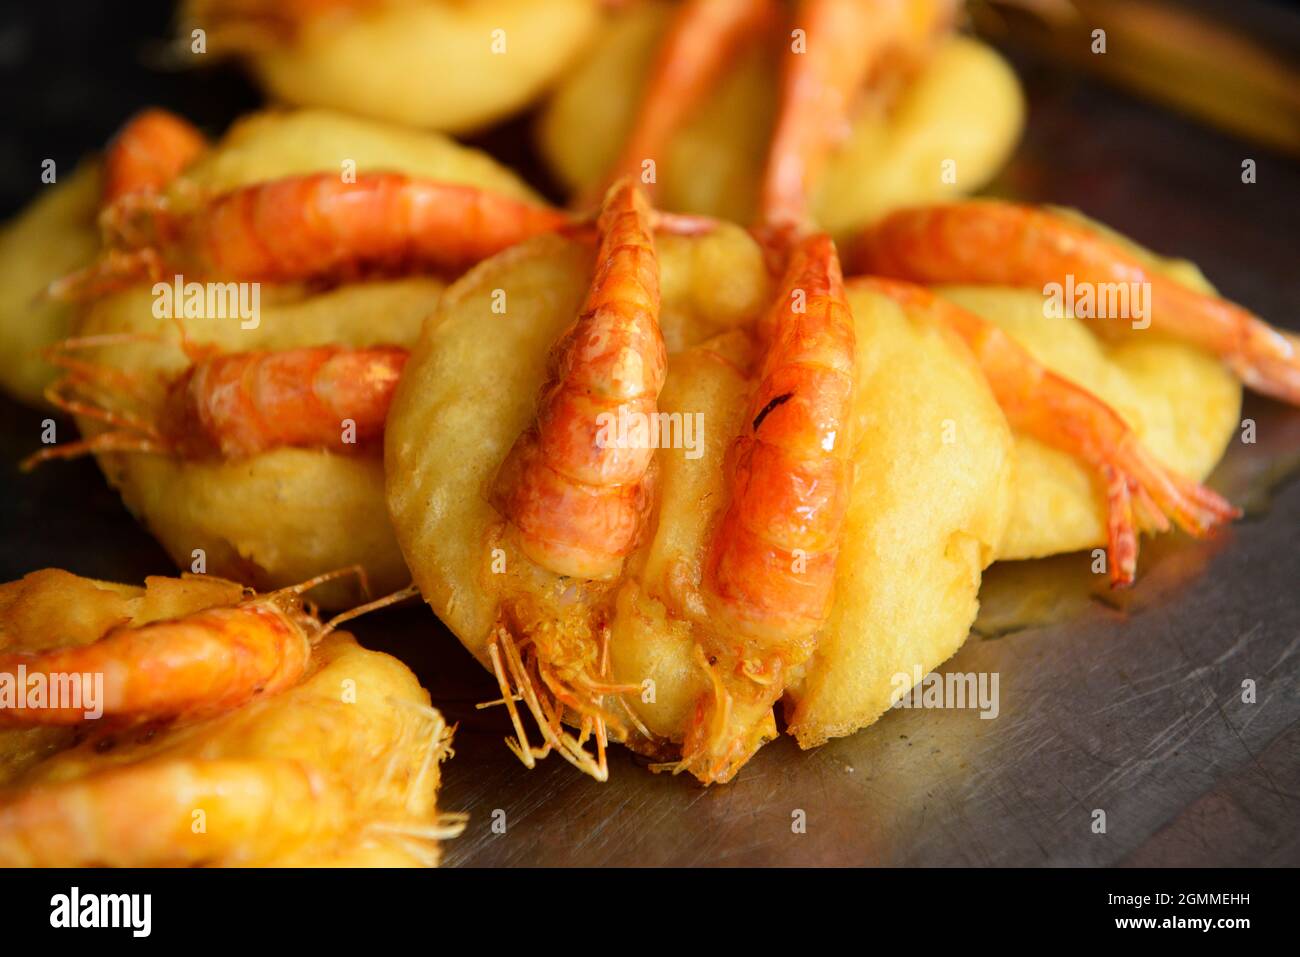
x,y
114,270
1268,360
1142,494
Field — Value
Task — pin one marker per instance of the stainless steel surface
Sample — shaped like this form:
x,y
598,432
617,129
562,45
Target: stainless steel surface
x,y
1133,706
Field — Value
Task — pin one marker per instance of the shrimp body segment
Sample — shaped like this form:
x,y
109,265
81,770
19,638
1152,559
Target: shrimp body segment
x,y
1141,494
1010,244
575,495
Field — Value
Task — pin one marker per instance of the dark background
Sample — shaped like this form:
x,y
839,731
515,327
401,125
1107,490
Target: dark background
x,y
1131,706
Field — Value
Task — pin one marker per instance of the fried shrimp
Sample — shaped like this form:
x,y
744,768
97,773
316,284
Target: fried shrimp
x,y
1141,494
205,663
317,226
231,407
1014,245
681,652
576,501
240,411
772,559
236,730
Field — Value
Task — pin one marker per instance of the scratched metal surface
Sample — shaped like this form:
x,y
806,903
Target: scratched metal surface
x,y
1131,707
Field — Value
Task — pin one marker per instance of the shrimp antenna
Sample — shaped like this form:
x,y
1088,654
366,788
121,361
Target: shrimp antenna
x,y
72,393
115,270
321,579
94,342
410,591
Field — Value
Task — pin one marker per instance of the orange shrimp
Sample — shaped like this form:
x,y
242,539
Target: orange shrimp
x,y
576,503
148,153
1140,492
83,810
206,663
771,565
241,404
317,226
1011,244
843,40
704,35
144,158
